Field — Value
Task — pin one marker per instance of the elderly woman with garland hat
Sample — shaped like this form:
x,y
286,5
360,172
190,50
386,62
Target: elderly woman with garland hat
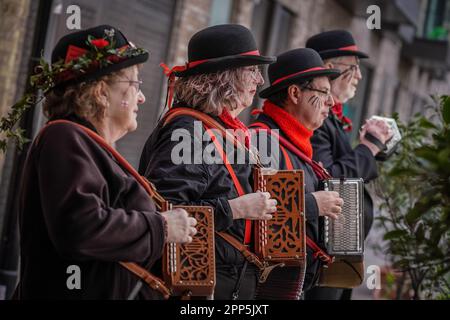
x,y
84,212
218,83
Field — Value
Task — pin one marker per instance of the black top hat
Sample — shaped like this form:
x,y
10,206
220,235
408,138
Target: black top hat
x,y
335,43
97,51
221,47
295,66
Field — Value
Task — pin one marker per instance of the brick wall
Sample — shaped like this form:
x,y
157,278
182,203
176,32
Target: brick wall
x,y
191,16
14,18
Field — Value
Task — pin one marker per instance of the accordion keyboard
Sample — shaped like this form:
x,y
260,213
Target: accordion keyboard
x,y
344,236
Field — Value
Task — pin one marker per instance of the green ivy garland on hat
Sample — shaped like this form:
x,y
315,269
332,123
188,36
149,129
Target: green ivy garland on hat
x,y
101,53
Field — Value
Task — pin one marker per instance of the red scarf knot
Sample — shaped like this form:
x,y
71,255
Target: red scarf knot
x,y
337,110
296,132
242,133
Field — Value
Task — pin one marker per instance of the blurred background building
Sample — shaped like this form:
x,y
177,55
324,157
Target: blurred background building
x,y
409,60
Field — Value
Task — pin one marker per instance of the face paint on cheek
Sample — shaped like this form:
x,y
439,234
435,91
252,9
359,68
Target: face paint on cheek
x,y
124,104
315,101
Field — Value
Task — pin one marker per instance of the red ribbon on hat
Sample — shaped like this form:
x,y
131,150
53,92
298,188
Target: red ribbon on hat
x,y
297,73
349,48
170,72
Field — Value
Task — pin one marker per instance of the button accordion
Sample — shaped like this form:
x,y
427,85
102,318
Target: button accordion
x,y
189,269
343,237
281,241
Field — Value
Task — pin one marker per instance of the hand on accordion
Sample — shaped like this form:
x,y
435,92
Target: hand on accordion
x,y
253,206
180,227
329,203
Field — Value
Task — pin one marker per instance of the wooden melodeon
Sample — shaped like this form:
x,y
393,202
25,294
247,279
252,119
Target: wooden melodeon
x,y
190,269
281,240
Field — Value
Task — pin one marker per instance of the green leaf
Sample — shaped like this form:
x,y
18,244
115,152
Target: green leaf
x,y
394,234
426,153
413,215
420,233
446,109
424,123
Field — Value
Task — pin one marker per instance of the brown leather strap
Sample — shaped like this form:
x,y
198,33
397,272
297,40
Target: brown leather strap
x,y
147,277
250,256
210,122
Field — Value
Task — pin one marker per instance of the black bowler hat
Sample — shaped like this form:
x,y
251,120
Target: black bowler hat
x,y
219,48
92,53
335,43
295,66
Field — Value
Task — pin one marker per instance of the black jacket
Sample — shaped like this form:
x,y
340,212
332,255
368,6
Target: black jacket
x,y
79,207
311,209
332,147
196,183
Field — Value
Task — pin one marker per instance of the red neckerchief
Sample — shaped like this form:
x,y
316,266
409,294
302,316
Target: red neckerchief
x,y
338,112
235,124
291,127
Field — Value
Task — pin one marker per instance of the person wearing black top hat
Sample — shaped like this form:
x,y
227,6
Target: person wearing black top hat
x,y
219,81
330,142
82,211
297,102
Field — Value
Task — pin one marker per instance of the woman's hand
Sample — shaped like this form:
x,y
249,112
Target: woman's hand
x,y
329,203
180,227
253,206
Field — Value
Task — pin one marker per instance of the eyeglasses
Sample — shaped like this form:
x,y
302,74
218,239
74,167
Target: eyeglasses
x,y
352,67
135,83
255,71
325,94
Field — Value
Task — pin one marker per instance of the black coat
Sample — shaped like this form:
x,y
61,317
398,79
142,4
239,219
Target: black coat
x,y
311,209
79,207
197,184
332,147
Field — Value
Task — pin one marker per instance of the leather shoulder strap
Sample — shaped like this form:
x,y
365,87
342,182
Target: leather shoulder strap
x,y
320,171
210,123
250,256
153,282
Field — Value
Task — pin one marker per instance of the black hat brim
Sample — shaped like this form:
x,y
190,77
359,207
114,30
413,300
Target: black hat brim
x,y
104,71
328,54
225,63
330,73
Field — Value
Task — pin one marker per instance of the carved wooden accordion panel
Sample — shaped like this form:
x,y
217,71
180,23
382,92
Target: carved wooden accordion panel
x,y
345,236
282,239
189,269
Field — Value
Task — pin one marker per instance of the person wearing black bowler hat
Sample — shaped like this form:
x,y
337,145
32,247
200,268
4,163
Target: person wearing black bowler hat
x,y
82,209
330,142
297,102
217,83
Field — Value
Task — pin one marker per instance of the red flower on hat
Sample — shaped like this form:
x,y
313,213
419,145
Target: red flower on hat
x,y
100,43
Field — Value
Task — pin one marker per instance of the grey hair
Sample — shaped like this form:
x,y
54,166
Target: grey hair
x,y
211,92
